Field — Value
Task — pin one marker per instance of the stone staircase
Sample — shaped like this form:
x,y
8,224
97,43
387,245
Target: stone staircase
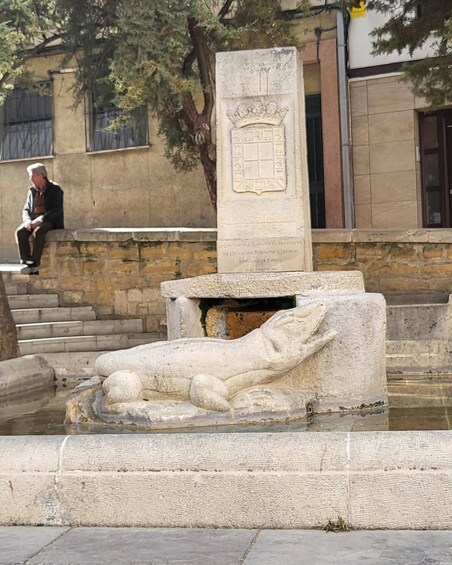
x,y
44,326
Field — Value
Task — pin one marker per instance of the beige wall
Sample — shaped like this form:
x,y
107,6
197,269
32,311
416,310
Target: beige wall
x,y
127,188
384,137
138,187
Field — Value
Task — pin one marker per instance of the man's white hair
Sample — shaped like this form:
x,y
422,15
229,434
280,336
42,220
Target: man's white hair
x,y
37,168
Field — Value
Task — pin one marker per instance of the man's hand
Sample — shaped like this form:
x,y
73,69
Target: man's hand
x,y
28,225
35,223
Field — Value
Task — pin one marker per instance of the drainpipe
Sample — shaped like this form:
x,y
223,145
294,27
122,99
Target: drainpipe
x,y
349,213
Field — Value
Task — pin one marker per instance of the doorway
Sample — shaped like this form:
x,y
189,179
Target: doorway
x,y
436,168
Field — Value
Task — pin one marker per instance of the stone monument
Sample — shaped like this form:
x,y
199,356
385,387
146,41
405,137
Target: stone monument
x,y
263,196
326,353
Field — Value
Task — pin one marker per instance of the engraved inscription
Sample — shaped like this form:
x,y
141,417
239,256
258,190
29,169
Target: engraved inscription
x,y
263,79
261,255
258,163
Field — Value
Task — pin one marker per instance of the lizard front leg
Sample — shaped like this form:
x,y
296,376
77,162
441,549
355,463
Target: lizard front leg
x,y
210,393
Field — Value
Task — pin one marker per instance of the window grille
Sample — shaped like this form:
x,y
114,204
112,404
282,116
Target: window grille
x,y
26,124
133,133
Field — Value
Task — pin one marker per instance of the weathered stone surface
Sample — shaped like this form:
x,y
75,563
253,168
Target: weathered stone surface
x,y
231,324
420,321
235,376
184,318
263,195
394,480
255,285
23,374
345,373
396,270
351,370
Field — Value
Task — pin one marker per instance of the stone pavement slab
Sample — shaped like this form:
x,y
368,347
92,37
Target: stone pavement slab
x,y
139,546
164,546
20,543
314,547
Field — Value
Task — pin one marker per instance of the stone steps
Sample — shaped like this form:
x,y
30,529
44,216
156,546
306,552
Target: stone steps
x,y
71,328
54,314
83,343
33,301
426,355
43,326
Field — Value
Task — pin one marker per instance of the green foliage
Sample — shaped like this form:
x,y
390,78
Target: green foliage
x,y
147,55
339,525
145,52
27,27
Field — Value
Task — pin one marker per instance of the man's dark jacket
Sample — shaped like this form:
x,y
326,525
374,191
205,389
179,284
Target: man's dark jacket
x,y
53,200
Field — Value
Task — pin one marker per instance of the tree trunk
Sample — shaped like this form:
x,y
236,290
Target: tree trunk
x,y
200,127
9,348
200,123
210,173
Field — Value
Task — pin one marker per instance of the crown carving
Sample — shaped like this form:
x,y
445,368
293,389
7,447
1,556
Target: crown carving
x,y
258,112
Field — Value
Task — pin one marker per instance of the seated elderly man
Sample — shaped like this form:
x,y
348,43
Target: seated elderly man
x,y
43,211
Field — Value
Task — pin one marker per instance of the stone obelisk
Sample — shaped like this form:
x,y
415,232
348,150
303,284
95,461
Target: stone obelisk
x,y
263,189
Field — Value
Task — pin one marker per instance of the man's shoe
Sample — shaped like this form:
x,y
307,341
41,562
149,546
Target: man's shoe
x,y
32,269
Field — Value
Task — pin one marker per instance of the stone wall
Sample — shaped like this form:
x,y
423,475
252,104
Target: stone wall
x,y
119,271
392,261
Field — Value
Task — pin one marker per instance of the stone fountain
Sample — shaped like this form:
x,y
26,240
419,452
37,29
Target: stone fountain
x,y
326,353
331,358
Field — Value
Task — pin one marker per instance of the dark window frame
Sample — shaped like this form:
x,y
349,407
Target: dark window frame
x,y
314,137
26,124
442,154
129,135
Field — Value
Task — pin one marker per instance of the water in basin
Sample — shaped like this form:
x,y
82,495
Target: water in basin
x,y
416,402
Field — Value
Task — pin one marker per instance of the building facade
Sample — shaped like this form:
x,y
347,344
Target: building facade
x,y
377,159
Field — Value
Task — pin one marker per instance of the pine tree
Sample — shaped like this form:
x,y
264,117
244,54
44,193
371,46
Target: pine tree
x,y
27,28
162,54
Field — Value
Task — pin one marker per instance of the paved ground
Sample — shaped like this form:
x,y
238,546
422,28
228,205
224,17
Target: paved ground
x,y
160,546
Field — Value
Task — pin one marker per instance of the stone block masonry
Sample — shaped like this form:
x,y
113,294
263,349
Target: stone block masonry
x,y
119,272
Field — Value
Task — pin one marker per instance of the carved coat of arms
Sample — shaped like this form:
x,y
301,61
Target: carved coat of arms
x,y
258,147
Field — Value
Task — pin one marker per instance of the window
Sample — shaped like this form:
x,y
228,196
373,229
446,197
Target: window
x,y
436,168
26,124
434,10
315,159
133,133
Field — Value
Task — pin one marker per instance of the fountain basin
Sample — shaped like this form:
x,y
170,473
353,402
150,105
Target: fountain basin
x,y
398,480
371,479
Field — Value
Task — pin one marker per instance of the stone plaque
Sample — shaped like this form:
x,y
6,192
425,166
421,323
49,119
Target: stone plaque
x,y
269,255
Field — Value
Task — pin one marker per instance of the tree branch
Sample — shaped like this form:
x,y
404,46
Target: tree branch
x,y
202,53
225,10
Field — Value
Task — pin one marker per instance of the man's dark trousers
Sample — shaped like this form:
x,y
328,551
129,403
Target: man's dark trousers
x,y
28,253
